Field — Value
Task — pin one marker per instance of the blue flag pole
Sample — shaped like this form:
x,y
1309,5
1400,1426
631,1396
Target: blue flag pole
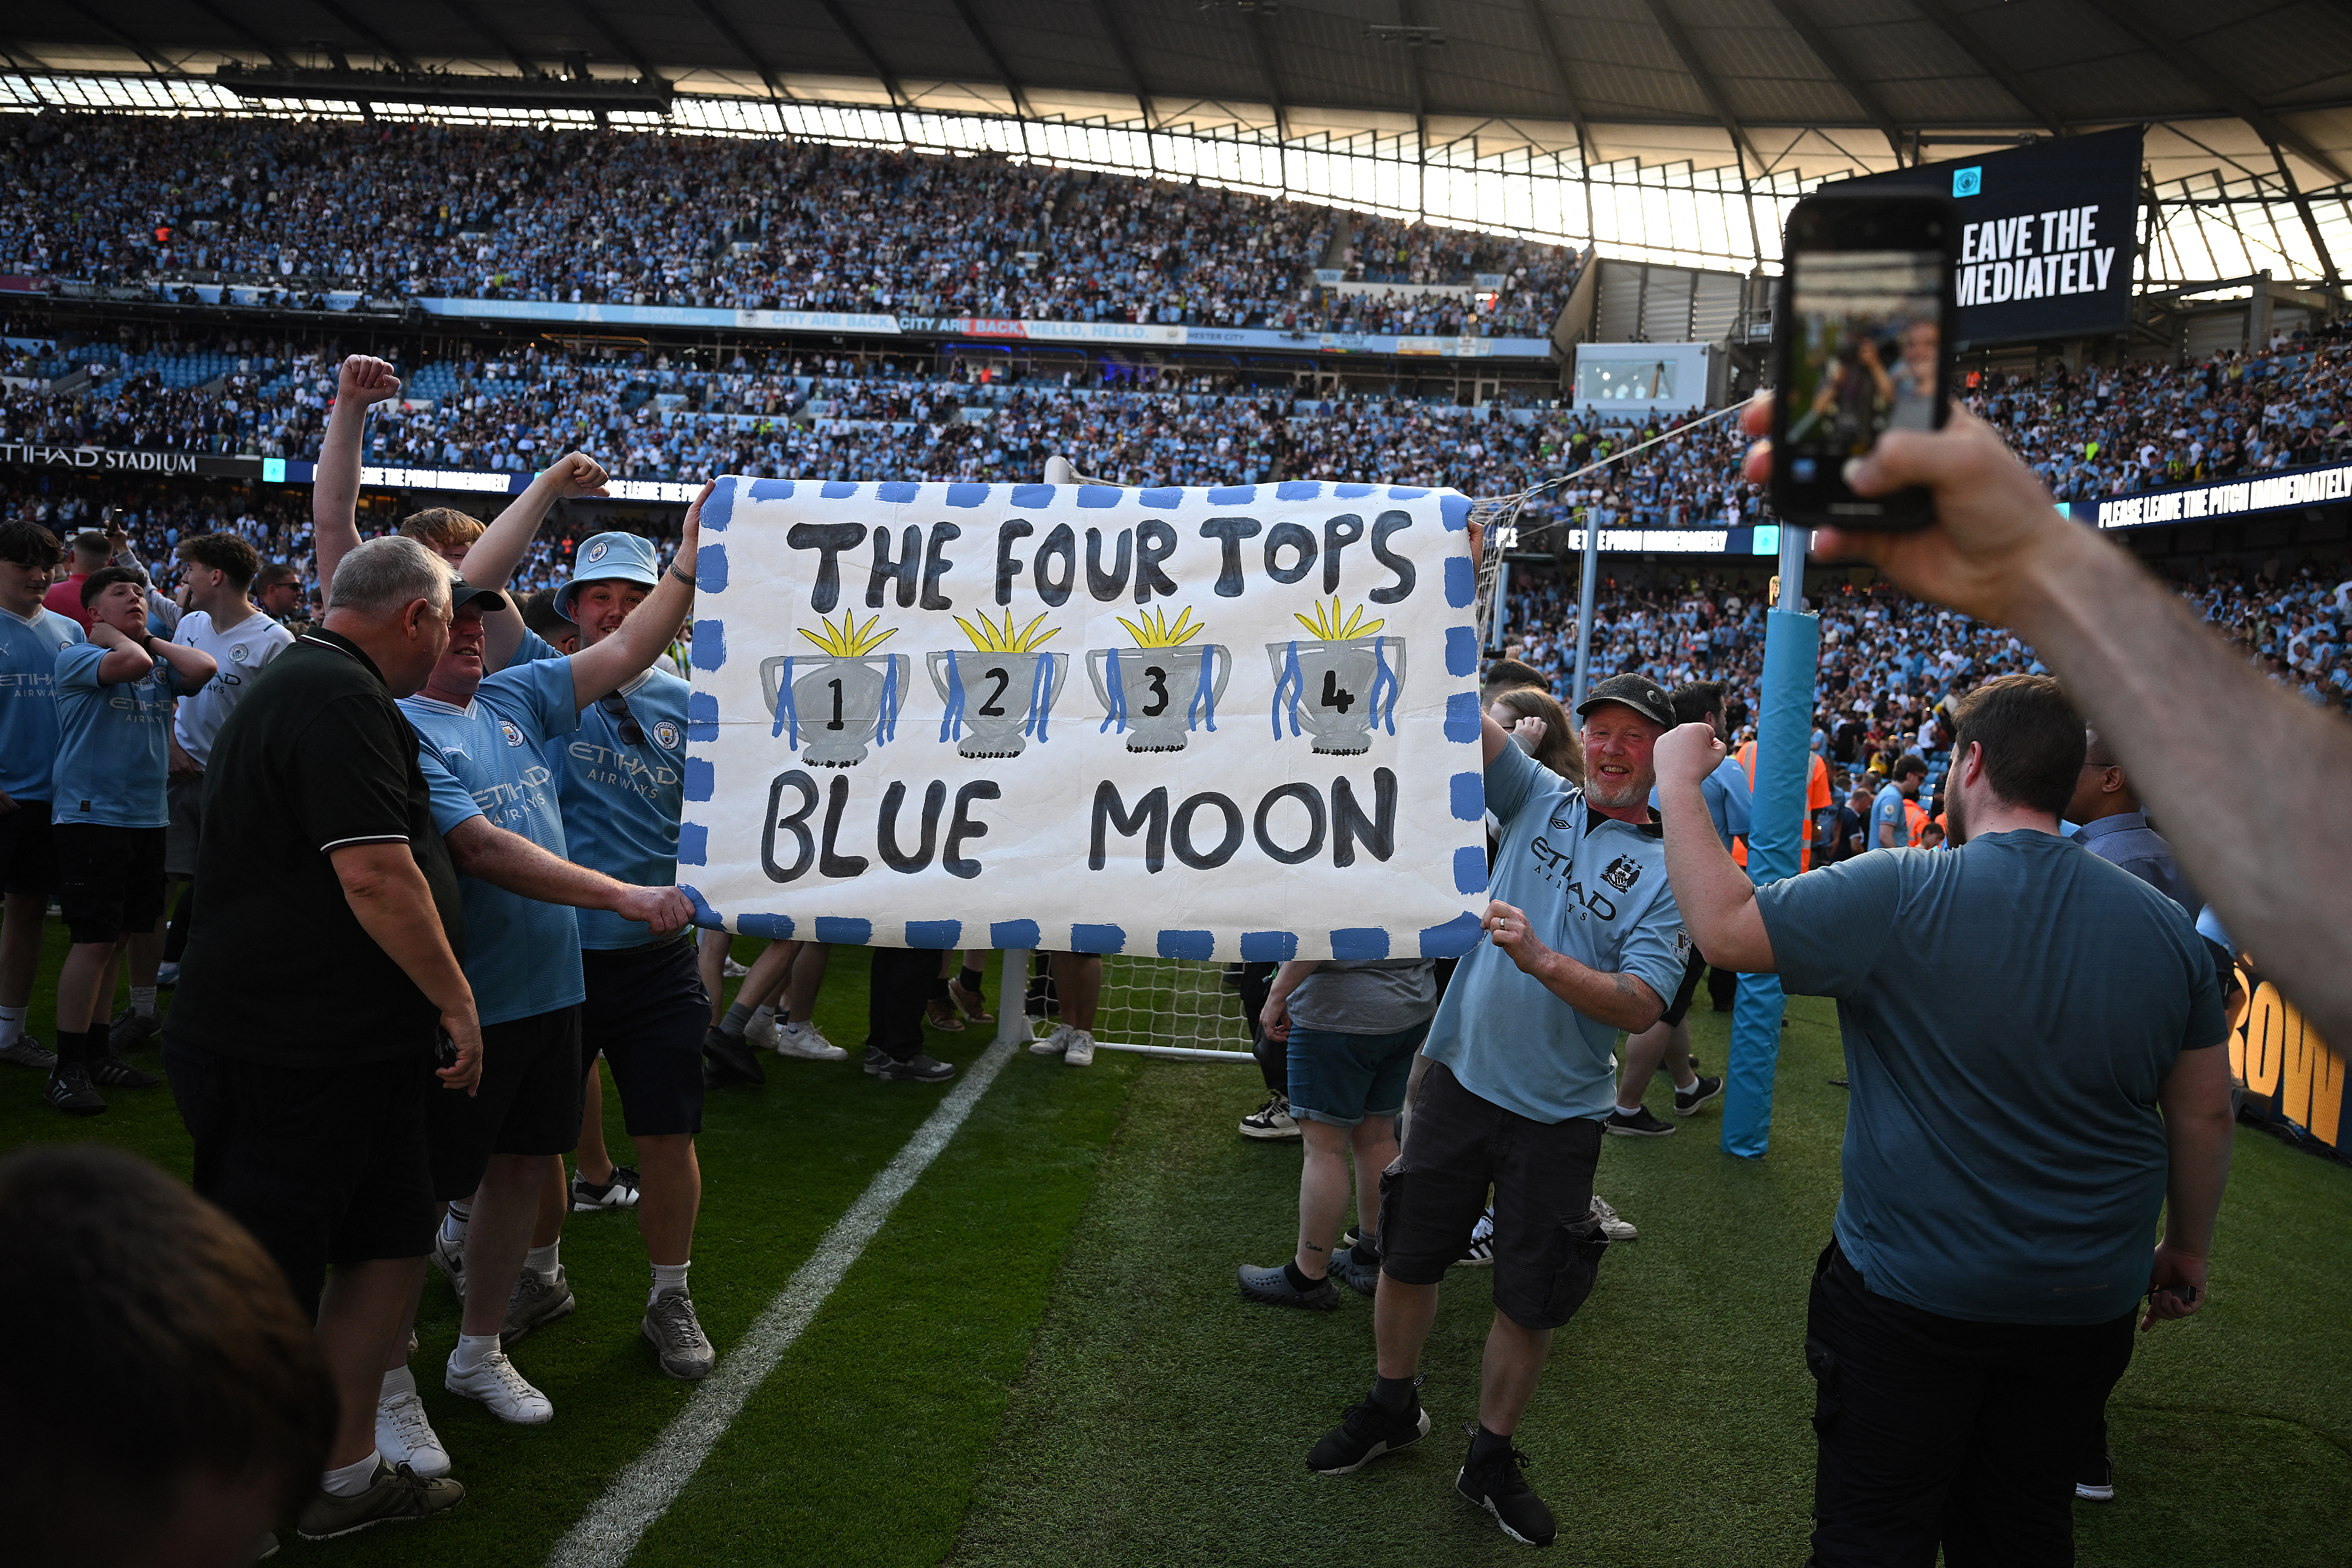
x,y
1778,827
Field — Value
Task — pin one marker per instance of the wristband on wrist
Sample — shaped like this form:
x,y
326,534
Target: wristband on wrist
x,y
685,577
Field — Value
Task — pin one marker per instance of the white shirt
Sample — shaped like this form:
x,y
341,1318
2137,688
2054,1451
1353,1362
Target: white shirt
x,y
240,653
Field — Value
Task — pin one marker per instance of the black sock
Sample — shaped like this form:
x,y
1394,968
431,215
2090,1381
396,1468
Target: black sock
x,y
1394,1395
969,979
1366,1255
935,990
1486,1445
1298,1280
81,1045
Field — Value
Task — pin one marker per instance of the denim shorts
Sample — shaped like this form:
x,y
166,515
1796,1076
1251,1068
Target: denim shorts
x,y
1343,1078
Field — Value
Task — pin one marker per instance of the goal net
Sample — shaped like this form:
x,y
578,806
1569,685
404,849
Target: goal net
x,y
1180,1008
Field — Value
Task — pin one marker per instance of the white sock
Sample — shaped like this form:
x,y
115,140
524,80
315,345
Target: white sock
x,y
12,1025
790,1025
352,1478
764,1014
542,1258
1629,1110
453,1226
143,1001
667,1276
473,1349
396,1382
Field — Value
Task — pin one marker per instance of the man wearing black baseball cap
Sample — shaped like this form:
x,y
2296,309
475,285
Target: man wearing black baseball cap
x,y
1586,940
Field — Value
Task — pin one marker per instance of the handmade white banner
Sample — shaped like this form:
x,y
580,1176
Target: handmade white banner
x,y
1238,723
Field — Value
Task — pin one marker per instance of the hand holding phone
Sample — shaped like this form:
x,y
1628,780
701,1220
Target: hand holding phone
x,y
1861,346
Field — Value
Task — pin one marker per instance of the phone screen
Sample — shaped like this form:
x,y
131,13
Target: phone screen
x,y
1865,348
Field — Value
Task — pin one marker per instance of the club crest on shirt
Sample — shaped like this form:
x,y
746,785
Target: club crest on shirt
x,y
665,734
237,653
1622,873
512,731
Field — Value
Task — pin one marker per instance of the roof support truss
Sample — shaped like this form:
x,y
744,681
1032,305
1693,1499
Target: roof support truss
x,y
839,16
1831,55
1575,106
152,57
740,44
1971,43
1110,20
979,32
366,35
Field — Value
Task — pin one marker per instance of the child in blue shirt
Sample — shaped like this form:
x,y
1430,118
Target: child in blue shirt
x,y
114,698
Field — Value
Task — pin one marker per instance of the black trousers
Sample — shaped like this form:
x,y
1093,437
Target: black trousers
x,y
902,979
1941,1431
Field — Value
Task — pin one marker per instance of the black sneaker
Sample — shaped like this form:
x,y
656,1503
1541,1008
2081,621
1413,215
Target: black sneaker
x,y
113,1073
1497,1487
130,1031
1271,1119
1366,1433
1273,1288
1640,1124
621,1191
69,1091
729,1059
916,1069
1707,1089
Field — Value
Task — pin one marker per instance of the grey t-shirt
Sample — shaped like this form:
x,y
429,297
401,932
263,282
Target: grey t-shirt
x,y
1367,995
2010,1009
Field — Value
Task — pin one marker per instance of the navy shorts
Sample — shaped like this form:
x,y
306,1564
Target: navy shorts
x,y
1678,1005
1547,1246
325,1165
646,1012
28,850
527,1101
1343,1078
109,880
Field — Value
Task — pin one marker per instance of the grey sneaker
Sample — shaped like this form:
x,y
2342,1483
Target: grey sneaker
x,y
916,1069
1079,1051
29,1052
677,1338
538,1300
394,1493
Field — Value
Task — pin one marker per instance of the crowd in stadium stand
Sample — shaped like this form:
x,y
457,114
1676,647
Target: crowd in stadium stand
x,y
598,217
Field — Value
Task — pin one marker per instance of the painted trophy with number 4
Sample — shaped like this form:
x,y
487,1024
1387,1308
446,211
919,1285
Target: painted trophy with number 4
x,y
1339,685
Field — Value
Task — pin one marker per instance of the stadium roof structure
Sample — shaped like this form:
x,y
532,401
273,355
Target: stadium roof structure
x,y
2253,98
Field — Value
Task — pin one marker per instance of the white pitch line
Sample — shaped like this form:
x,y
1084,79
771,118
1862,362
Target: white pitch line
x,y
643,1492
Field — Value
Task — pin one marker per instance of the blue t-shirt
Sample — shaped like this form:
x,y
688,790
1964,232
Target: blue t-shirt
x,y
622,802
113,742
28,700
1593,888
1728,805
2010,1009
487,759
1887,811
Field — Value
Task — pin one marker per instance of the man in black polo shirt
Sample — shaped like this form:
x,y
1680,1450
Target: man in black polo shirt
x,y
320,839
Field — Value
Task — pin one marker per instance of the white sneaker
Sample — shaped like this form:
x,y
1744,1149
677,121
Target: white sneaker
x,y
1612,1226
451,1256
404,1436
1055,1043
495,1382
806,1041
733,970
1080,1051
761,1031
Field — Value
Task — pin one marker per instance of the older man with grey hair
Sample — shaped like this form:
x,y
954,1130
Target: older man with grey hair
x,y
303,1064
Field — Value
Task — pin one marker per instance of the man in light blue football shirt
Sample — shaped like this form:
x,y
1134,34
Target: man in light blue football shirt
x,y
1890,824
31,636
483,740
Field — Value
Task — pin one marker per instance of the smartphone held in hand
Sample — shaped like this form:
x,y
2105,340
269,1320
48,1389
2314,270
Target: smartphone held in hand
x,y
1861,346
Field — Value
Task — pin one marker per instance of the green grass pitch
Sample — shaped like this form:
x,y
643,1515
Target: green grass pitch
x,y
1042,1358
